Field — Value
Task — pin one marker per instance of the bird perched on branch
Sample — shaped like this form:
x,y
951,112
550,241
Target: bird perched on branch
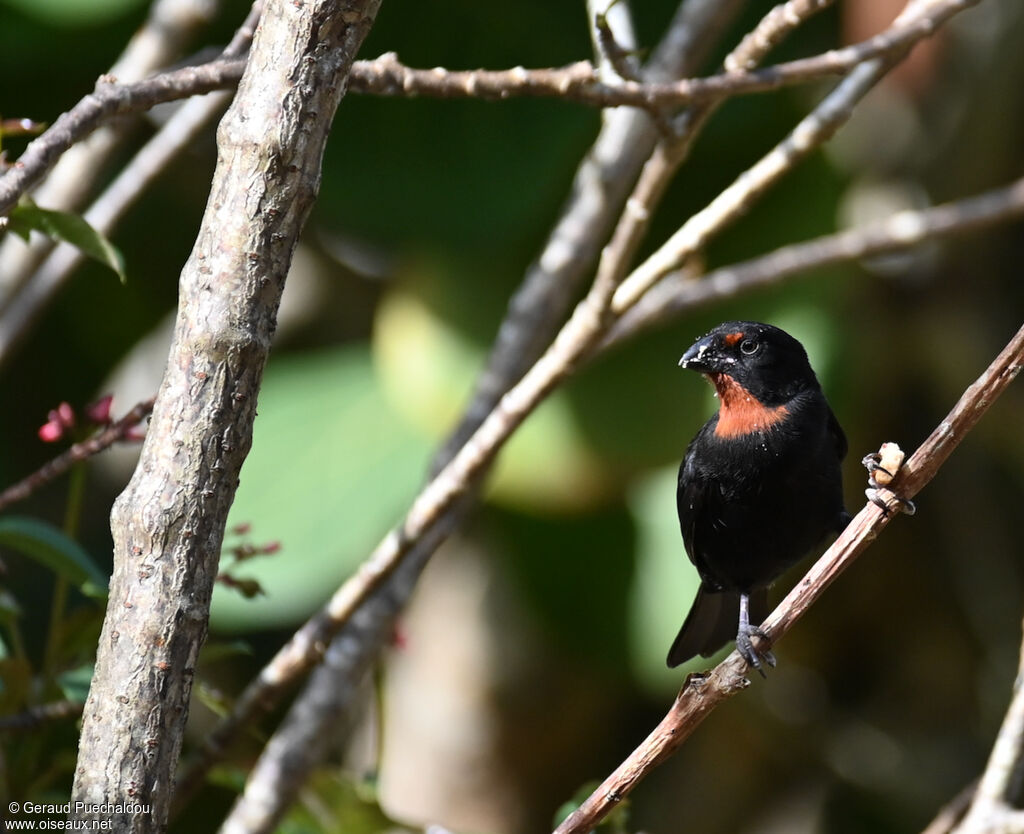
x,y
760,484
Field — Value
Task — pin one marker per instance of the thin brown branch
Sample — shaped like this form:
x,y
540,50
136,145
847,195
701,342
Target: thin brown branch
x,y
771,31
702,693
108,100
579,82
993,804
669,155
386,76
169,27
35,717
620,58
736,200
103,439
678,292
953,811
37,271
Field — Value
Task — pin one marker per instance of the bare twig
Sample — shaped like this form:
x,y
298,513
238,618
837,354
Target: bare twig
x,y
167,30
658,172
616,54
677,292
19,311
35,717
578,82
702,693
108,100
103,439
771,31
953,811
994,806
738,198
386,76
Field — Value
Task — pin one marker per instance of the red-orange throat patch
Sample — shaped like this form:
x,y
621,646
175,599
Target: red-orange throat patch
x,y
740,412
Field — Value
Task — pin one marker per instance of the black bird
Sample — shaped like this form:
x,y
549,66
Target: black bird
x,y
760,484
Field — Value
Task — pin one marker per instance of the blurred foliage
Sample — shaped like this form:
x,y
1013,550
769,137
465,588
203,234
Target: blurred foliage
x,y
889,691
65,227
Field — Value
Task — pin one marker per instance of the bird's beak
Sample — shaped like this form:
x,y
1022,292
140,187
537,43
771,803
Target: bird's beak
x,y
698,357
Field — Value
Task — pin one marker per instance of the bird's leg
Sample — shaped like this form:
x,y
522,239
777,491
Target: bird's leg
x,y
743,642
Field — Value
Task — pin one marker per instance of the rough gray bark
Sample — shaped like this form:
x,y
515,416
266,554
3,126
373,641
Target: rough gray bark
x,y
168,524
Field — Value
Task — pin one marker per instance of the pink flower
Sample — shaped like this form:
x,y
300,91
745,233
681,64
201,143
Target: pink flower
x,y
99,411
57,422
66,414
51,431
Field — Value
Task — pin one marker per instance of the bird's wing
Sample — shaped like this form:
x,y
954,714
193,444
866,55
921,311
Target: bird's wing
x,y
690,496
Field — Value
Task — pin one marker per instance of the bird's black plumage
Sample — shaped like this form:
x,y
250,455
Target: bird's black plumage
x,y
760,484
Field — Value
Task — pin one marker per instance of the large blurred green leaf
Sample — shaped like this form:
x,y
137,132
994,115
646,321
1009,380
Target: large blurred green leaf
x,y
428,369
49,546
332,468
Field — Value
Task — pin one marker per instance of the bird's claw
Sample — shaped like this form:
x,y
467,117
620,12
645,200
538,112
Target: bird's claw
x,y
752,654
882,467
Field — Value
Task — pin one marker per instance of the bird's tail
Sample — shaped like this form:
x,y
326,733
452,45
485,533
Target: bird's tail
x,y
712,622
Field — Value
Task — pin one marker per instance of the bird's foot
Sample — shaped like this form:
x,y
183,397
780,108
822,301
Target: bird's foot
x,y
750,653
882,467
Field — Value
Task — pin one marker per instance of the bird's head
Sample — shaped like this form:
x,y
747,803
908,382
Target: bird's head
x,y
763,360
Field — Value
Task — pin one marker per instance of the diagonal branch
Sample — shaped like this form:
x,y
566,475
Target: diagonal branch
x,y
108,100
678,292
993,805
702,693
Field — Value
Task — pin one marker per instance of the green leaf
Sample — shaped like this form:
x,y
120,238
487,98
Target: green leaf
x,y
50,547
69,228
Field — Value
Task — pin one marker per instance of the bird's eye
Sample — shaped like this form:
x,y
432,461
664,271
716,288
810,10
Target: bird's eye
x,y
748,346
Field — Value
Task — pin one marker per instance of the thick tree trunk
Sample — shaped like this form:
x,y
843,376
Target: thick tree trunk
x,y
168,524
